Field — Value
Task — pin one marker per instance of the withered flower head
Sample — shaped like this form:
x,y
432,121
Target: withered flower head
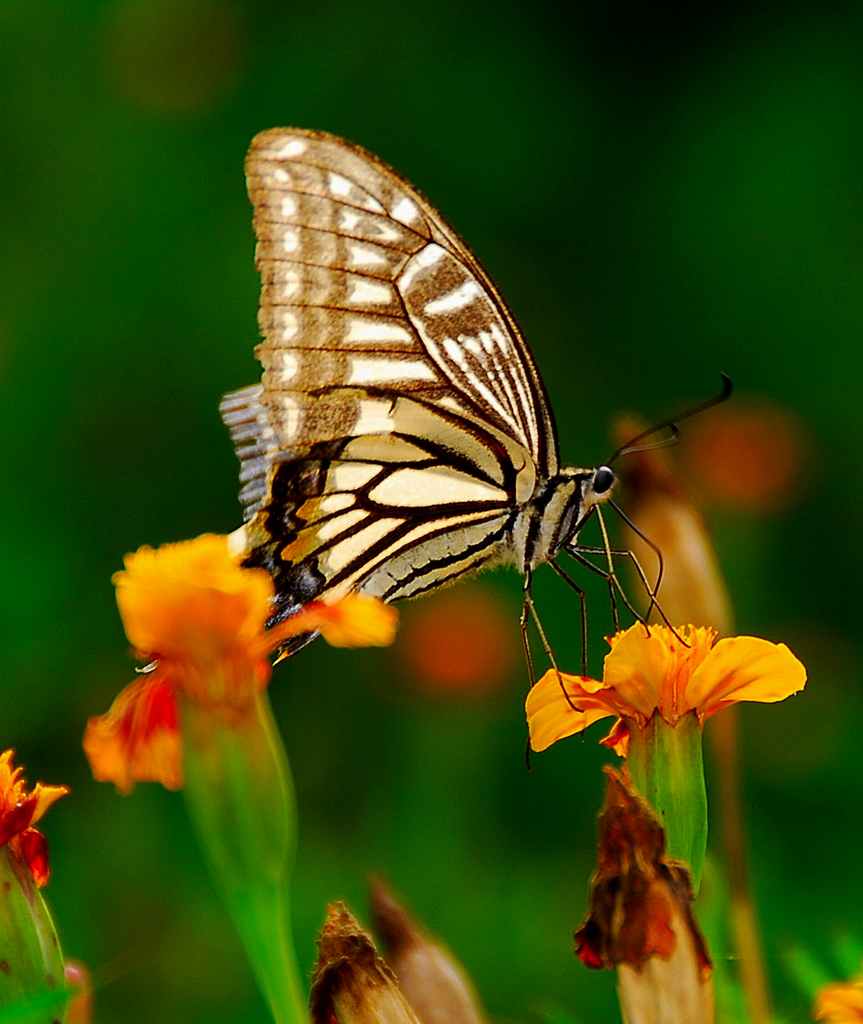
x,y
640,919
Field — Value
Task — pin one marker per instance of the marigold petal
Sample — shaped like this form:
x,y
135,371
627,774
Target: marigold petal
x,y
840,1003
138,739
637,667
618,738
358,620
192,600
744,668
45,797
32,848
551,717
16,817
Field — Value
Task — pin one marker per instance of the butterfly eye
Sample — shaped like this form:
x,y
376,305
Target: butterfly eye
x,y
603,480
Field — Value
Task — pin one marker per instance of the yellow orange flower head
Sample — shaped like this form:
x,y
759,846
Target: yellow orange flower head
x,y
191,601
841,1003
200,616
19,812
649,670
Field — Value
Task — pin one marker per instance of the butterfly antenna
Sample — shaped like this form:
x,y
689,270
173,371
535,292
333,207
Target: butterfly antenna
x,y
671,424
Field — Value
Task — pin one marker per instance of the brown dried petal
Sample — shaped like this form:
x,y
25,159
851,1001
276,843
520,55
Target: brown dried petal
x,y
641,919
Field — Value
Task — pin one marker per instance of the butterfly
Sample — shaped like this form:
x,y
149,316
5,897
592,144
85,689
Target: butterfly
x,y
401,435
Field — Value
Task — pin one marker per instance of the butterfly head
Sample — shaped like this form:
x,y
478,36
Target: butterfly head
x,y
560,509
593,487
599,485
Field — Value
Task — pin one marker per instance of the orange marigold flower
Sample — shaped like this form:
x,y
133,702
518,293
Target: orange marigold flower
x,y
840,1003
200,617
649,670
19,812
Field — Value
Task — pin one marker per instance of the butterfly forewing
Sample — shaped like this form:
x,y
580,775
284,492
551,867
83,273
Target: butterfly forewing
x,y
400,421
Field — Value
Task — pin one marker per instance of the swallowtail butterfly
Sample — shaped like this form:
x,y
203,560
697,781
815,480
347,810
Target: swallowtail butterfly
x,y
401,435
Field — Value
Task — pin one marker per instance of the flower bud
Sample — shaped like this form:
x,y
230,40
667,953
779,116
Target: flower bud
x,y
352,984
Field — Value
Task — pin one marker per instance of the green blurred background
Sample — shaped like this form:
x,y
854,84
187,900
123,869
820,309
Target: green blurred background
x,y
659,197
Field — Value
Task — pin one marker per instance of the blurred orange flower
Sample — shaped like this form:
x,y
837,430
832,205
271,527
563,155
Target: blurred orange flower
x,y
649,670
840,1003
19,812
199,617
748,457
459,643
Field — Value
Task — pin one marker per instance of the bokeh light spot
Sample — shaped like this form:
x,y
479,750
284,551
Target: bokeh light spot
x,y
751,457
460,642
174,58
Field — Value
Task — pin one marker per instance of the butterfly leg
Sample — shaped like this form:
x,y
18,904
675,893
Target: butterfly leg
x,y
582,599
522,622
546,646
654,548
581,550
528,656
614,586
651,592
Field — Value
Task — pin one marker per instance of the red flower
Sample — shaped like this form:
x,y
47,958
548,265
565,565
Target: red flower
x,y
19,812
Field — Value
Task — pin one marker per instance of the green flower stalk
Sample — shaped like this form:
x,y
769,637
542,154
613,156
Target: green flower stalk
x,y
240,796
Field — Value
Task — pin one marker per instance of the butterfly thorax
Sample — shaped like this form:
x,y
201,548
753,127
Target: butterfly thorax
x,y
556,512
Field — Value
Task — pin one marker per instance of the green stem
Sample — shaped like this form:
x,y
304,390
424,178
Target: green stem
x,y
667,768
240,796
